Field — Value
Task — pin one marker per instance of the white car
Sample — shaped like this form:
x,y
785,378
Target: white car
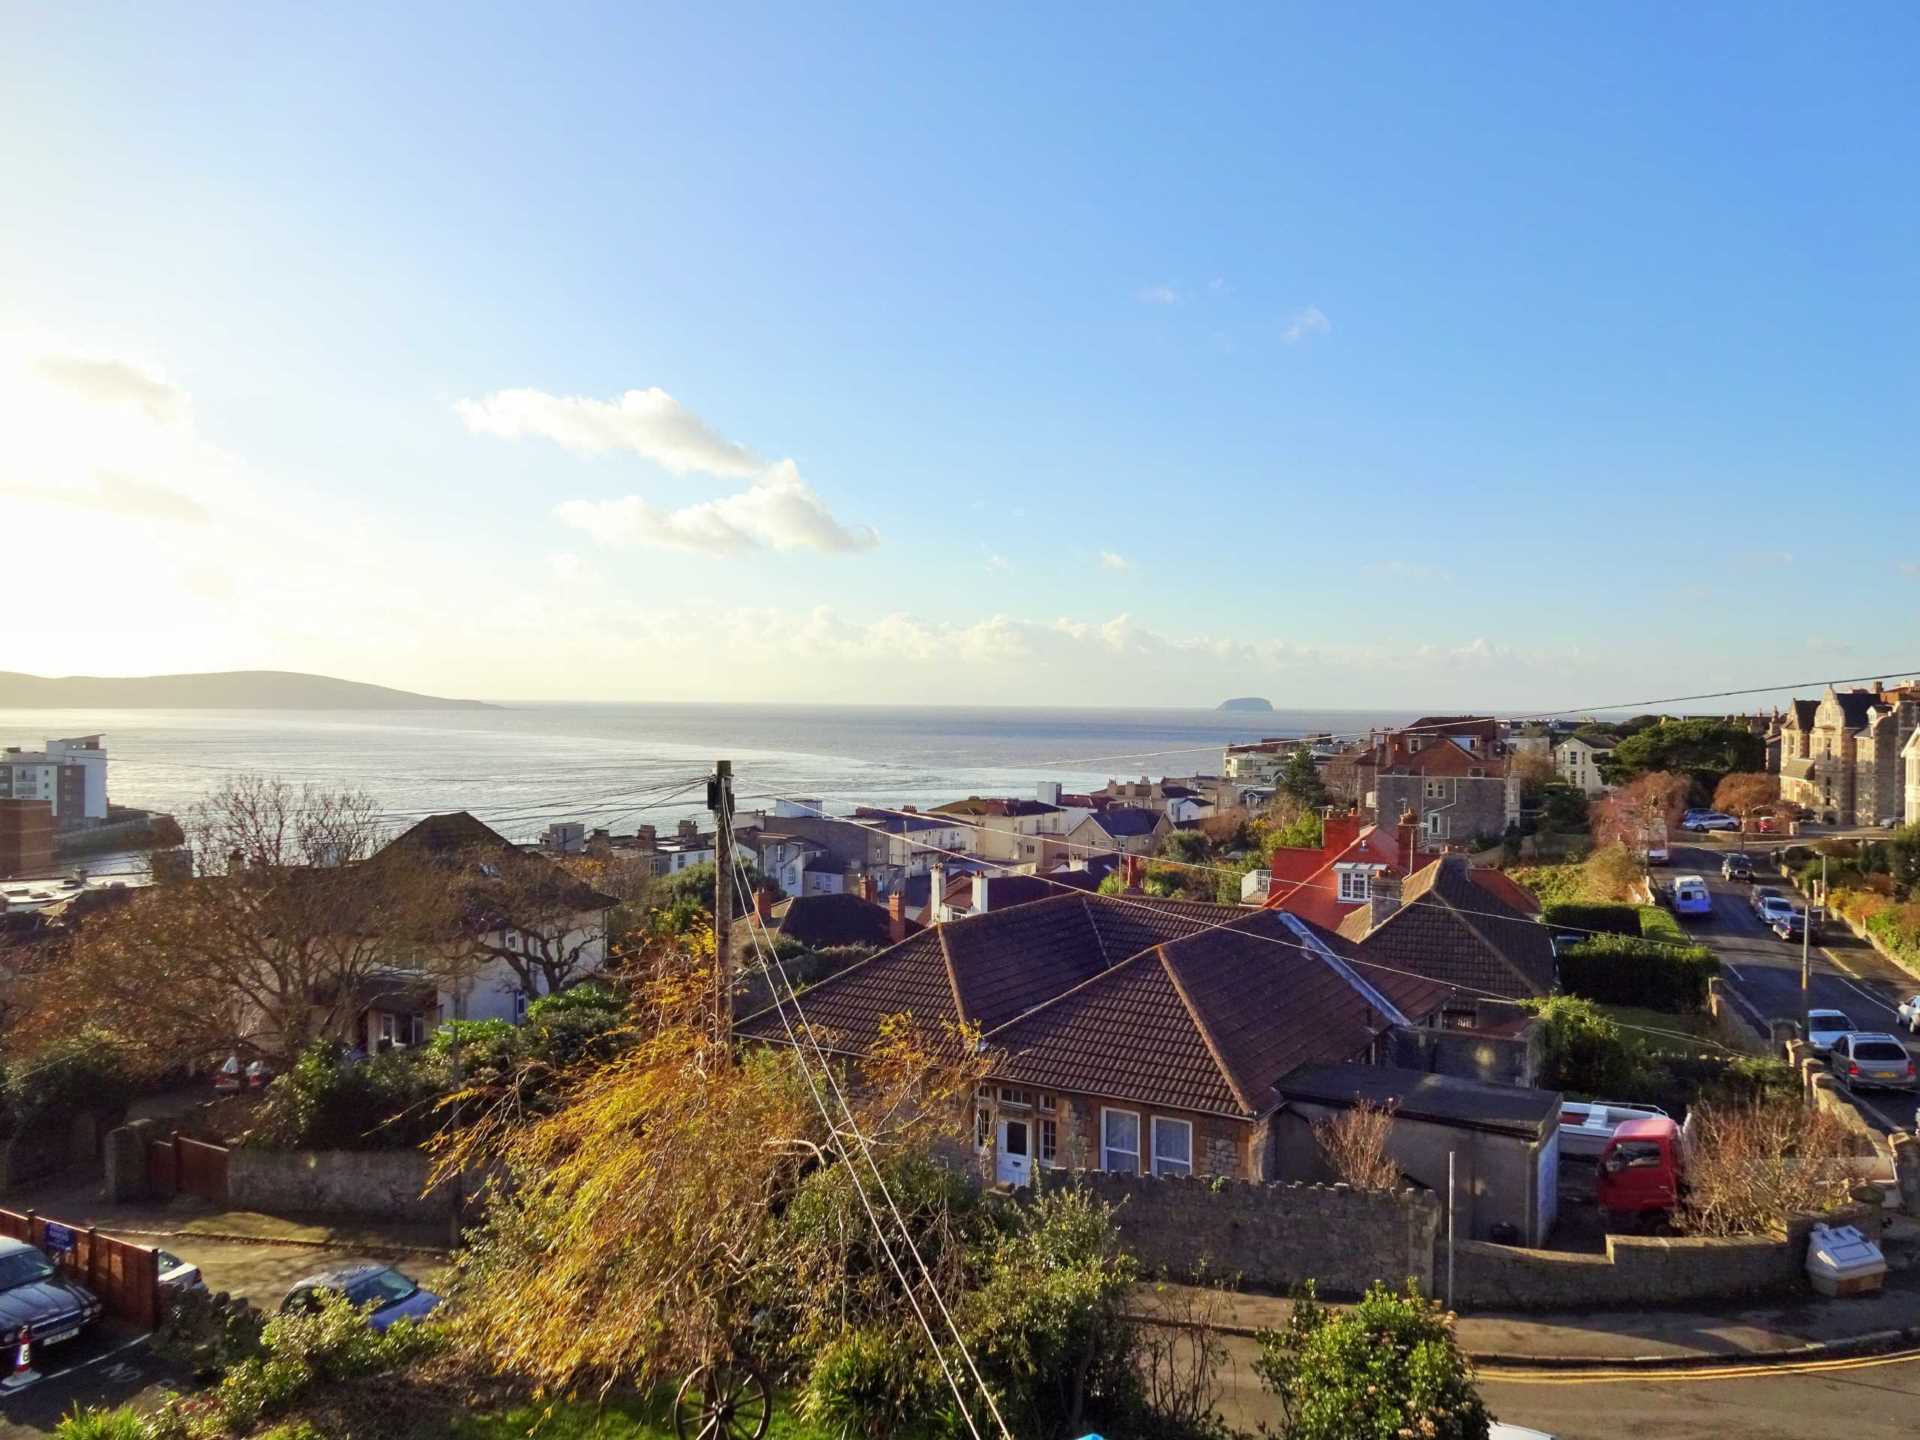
x,y
1587,1125
1826,1026
1774,909
1909,1013
1691,896
1710,820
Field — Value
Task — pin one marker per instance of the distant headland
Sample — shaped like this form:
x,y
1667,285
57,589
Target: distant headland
x,y
1247,702
219,690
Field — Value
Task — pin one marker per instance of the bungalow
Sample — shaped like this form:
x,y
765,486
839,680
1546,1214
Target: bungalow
x,y
1127,1034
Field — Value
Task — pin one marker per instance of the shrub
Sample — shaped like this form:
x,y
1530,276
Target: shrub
x,y
867,1383
86,1071
1387,1367
1898,928
1583,1051
1551,884
1605,917
327,1102
205,1334
1658,923
1618,970
1354,1145
98,1423
1751,1168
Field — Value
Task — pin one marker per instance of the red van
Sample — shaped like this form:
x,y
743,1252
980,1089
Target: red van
x,y
1640,1167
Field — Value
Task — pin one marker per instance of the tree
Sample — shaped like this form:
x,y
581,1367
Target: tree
x,y
1535,771
548,927
1186,847
1354,1145
1745,794
1385,1368
1703,749
275,945
1640,810
1564,809
1300,779
1752,1167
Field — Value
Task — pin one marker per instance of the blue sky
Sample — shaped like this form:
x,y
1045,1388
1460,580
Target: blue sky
x,y
1470,355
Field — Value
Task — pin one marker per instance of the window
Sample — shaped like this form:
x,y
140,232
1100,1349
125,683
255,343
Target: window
x,y
519,1006
1049,1142
1353,885
1436,823
982,1129
1047,1105
1120,1140
1172,1146
1436,789
1018,1098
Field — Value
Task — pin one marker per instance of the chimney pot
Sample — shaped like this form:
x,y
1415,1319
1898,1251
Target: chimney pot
x,y
897,917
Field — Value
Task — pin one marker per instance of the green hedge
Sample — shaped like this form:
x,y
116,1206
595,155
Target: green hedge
x,y
1658,923
1608,919
1627,970
1898,928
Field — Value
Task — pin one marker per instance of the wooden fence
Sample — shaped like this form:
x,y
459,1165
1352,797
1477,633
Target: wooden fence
x,y
180,1165
125,1276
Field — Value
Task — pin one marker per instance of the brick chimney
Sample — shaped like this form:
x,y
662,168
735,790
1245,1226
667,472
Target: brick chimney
x,y
689,830
865,886
896,917
1340,831
1406,841
646,837
763,906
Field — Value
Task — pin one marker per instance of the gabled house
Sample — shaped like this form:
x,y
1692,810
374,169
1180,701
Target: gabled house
x,y
1126,1034
1576,760
1845,762
1459,795
828,921
1120,830
1324,885
1005,829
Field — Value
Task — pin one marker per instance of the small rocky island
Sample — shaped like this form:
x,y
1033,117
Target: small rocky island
x,y
1246,702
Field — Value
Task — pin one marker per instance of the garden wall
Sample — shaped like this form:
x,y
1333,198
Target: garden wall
x,y
1636,1271
384,1184
1272,1236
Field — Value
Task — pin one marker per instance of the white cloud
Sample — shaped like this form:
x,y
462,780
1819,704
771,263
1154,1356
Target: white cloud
x,y
115,382
650,423
997,562
779,510
1159,295
1310,321
1113,560
116,494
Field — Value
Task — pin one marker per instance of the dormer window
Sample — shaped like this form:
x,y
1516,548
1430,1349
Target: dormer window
x,y
1353,884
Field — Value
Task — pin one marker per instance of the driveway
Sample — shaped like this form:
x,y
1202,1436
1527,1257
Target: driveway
x,y
1765,970
109,1366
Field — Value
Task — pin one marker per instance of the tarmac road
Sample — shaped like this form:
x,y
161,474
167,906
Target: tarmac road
x,y
1764,970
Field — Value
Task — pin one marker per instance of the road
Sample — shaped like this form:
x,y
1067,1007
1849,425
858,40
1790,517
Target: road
x,y
1765,970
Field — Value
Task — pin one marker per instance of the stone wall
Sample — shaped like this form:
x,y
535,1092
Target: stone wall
x,y
1634,1272
382,1183
1270,1235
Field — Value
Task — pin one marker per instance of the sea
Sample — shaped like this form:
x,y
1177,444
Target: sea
x,y
522,766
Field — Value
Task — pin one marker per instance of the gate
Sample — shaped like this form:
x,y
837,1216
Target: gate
x,y
180,1165
125,1276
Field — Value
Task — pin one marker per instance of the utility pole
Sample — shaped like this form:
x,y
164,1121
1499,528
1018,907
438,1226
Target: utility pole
x,y
1806,956
720,802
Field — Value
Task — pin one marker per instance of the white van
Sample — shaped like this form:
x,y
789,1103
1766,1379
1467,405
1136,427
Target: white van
x,y
1691,896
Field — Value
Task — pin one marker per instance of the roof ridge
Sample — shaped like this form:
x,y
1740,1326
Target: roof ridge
x,y
1075,989
1499,952
840,975
953,975
1206,1031
1099,940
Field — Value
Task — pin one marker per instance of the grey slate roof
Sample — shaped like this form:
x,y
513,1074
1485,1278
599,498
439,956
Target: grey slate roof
x,y
1417,1095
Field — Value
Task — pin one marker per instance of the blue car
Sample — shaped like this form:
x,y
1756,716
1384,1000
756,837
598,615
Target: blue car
x,y
394,1296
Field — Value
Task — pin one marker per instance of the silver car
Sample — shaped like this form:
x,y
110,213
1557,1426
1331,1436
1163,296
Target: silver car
x,y
1867,1058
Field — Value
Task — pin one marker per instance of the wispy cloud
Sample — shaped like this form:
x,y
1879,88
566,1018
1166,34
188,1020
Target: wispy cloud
x,y
1308,322
1159,295
997,561
115,382
778,510
1113,560
117,495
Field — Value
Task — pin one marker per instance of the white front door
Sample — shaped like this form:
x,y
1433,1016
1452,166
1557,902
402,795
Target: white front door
x,y
1015,1165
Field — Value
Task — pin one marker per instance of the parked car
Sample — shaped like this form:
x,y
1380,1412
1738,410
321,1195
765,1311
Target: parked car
x,y
1736,867
1824,1027
35,1292
392,1295
1640,1168
1587,1125
1773,910
177,1275
1909,1013
1790,926
1761,895
1709,820
1691,896
1868,1058
1765,824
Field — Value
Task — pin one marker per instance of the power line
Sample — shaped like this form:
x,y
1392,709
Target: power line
x,y
755,933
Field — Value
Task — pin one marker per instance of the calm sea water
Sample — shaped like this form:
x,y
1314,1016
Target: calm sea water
x,y
521,766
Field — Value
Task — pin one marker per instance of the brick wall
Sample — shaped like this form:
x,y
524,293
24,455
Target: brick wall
x,y
1273,1236
1634,1271
1221,1144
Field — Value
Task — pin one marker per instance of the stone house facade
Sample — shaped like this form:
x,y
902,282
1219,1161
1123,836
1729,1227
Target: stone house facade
x,y
1843,757
1455,794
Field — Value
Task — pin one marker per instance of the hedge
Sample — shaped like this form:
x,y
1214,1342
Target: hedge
x,y
1898,928
1627,970
1608,919
1657,923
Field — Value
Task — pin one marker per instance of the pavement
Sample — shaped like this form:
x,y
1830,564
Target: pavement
x,y
1763,971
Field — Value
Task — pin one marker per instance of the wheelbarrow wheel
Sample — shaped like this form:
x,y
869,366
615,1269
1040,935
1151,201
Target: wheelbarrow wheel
x,y
728,1400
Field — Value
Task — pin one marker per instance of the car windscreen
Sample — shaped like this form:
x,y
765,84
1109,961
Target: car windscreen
x,y
1879,1050
1830,1020
383,1287
24,1267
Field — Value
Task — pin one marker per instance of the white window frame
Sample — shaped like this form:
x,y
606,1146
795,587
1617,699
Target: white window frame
x,y
1436,825
1354,883
1173,1166
1107,1151
982,1128
1436,789
520,1003
1015,1099
1047,1144
1048,1104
